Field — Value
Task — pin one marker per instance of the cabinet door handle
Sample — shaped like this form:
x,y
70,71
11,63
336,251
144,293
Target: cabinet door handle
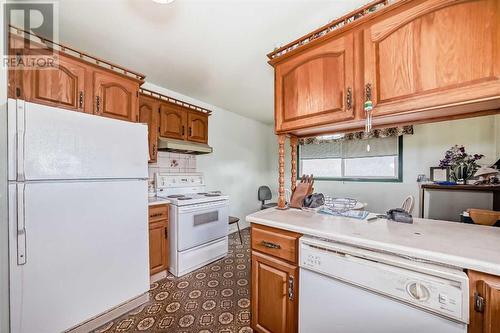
x,y
190,131
21,226
291,282
368,92
80,100
348,99
154,151
479,303
166,233
270,245
98,104
183,130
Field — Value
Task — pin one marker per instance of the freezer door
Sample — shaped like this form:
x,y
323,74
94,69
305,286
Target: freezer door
x,y
47,143
85,250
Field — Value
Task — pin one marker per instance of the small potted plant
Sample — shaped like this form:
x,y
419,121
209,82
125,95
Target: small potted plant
x,y
462,165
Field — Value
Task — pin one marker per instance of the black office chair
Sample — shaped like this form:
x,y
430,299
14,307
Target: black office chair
x,y
264,194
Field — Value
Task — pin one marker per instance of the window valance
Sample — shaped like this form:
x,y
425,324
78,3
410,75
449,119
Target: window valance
x,y
375,133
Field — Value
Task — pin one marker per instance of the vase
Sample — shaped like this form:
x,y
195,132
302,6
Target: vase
x,y
462,172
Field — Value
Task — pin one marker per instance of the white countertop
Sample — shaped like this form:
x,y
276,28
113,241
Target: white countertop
x,y
461,245
157,201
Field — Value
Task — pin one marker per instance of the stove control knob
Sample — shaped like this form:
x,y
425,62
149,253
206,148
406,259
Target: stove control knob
x,y
418,291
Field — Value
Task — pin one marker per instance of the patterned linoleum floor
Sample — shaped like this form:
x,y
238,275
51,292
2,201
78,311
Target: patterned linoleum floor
x,y
212,299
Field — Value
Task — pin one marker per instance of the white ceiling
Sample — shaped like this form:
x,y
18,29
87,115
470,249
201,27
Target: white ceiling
x,y
214,51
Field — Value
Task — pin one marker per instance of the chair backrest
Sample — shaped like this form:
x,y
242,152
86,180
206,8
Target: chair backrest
x,y
408,204
264,193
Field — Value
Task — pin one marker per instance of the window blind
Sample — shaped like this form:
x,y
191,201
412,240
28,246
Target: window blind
x,y
321,150
351,148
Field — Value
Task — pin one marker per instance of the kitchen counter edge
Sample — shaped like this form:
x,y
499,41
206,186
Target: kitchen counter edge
x,y
437,257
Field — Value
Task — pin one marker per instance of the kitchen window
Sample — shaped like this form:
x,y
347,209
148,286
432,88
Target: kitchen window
x,y
368,160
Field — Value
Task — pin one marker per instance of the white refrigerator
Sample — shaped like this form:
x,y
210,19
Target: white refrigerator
x,y
78,237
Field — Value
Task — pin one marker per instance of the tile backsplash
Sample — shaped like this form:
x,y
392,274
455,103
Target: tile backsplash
x,y
172,162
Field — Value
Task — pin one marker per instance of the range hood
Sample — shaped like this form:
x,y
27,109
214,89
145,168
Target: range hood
x,y
185,147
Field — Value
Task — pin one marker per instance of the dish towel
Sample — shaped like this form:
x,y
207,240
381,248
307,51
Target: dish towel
x,y
354,214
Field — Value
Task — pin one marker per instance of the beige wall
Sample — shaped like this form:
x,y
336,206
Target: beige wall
x,y
420,151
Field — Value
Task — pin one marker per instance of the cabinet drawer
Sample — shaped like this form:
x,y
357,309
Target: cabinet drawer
x,y
278,243
158,212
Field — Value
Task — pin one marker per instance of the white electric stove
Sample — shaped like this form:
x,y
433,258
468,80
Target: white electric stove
x,y
198,221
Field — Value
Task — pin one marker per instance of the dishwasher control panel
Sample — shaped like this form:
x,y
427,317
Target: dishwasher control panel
x,y
445,293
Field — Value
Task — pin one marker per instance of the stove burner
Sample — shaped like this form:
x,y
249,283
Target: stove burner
x,y
212,194
202,193
174,196
184,198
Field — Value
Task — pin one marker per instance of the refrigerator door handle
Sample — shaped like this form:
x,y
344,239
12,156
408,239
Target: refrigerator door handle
x,y
20,139
21,227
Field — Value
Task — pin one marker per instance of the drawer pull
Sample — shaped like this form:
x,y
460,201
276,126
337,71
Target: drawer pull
x,y
156,215
270,245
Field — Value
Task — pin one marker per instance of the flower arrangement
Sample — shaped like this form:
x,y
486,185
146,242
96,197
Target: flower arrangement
x,y
462,165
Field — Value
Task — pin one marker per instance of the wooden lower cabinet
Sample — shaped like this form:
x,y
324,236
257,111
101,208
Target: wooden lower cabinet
x,y
158,238
275,281
274,295
484,296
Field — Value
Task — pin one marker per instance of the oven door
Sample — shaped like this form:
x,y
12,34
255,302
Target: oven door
x,y
201,223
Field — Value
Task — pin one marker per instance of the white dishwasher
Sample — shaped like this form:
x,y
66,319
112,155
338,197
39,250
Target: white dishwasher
x,y
352,290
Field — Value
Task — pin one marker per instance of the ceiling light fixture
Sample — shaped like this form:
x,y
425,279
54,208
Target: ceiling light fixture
x,y
163,2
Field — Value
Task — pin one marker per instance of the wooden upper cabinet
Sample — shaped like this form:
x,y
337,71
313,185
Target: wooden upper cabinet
x,y
115,97
316,87
76,81
149,114
173,121
197,127
433,54
484,294
274,309
62,86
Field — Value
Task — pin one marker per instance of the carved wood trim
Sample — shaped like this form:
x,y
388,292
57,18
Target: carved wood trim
x,y
335,25
281,172
16,31
174,101
293,145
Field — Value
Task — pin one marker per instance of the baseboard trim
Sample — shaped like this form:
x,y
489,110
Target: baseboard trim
x,y
158,276
107,316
